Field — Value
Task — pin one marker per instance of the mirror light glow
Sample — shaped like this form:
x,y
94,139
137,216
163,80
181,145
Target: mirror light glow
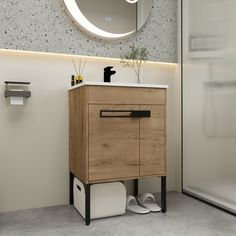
x,y
131,1
87,25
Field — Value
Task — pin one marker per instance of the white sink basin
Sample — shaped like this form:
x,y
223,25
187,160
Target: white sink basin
x,y
119,85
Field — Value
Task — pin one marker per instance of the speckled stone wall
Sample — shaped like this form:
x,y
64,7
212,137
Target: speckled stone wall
x,y
45,26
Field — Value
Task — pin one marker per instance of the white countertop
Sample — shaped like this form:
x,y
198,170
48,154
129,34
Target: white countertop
x,y
119,85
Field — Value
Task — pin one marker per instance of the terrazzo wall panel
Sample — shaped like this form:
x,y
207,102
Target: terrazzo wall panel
x,y
45,26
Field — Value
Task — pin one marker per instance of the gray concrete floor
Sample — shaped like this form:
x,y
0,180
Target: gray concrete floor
x,y
185,217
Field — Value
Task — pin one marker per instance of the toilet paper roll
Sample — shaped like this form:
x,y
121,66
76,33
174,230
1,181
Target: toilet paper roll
x,y
16,100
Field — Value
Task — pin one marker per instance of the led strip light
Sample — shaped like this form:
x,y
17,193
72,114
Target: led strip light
x,y
131,1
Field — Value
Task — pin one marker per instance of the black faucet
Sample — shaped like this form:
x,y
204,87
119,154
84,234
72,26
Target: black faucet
x,y
108,73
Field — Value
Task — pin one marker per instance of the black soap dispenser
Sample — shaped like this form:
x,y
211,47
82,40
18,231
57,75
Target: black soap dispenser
x,y
108,73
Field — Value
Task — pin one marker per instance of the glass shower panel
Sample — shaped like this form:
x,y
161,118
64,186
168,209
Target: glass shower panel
x,y
209,100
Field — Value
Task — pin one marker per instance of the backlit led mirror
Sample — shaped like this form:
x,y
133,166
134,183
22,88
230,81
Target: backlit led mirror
x,y
110,18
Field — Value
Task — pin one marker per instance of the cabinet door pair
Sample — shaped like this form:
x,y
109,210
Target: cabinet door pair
x,y
122,146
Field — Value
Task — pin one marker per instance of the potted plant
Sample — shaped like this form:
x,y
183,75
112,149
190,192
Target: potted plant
x,y
134,59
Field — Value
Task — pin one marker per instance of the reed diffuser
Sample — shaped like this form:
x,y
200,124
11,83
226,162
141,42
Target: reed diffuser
x,y
79,73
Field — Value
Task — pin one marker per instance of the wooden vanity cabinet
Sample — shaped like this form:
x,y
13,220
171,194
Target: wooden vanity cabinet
x,y
108,139
116,133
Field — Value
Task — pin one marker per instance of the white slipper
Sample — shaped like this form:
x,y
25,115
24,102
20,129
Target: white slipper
x,y
148,201
132,205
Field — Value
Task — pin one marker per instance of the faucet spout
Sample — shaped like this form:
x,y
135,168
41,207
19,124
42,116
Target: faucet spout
x,y
108,73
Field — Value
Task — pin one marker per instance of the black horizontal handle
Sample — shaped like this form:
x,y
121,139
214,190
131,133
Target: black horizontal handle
x,y
125,113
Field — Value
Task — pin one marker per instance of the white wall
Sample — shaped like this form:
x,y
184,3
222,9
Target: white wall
x,y
34,137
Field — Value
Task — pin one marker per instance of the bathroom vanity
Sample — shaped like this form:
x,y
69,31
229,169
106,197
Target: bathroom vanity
x,y
117,132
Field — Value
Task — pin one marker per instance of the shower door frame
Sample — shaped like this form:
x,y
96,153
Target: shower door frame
x,y
186,192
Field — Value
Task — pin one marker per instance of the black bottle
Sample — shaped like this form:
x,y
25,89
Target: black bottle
x,y
72,80
108,73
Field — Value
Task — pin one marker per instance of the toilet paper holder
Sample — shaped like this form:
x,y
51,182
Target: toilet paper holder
x,y
12,93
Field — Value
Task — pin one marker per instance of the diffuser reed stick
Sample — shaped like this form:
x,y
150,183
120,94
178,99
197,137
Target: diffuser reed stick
x,y
83,66
76,71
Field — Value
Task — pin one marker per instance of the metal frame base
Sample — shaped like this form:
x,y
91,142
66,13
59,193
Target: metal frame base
x,y
163,194
88,197
71,196
87,204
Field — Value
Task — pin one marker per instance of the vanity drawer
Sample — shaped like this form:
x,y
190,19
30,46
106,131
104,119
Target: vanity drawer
x,y
126,95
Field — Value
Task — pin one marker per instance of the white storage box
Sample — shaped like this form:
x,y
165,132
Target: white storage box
x,y
108,199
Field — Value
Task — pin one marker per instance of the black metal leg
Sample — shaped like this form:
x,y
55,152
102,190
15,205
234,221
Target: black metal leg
x,y
87,204
163,194
135,187
71,189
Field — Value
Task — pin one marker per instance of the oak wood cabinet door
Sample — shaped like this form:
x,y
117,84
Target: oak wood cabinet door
x,y
152,141
113,142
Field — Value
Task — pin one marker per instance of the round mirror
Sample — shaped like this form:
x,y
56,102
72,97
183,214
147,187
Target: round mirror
x,y
110,18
